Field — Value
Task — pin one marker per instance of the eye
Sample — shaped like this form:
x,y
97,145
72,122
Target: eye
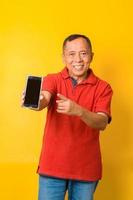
x,y
83,53
71,54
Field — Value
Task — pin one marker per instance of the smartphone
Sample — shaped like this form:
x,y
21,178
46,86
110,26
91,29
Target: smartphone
x,y
32,92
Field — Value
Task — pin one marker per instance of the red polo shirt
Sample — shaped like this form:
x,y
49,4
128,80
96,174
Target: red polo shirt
x,y
71,149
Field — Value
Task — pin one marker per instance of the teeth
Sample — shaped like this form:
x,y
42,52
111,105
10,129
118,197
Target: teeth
x,y
78,67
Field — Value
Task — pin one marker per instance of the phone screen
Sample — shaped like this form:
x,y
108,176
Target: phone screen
x,y
32,92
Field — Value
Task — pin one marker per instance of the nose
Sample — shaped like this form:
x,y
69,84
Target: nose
x,y
78,58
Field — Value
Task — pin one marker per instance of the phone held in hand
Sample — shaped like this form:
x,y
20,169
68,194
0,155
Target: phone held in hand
x,y
32,92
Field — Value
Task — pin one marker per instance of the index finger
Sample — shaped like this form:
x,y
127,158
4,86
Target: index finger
x,y
62,97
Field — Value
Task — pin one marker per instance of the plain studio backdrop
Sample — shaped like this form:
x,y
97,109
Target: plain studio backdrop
x,y
31,36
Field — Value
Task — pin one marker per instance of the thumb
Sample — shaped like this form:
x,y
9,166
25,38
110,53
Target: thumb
x,y
62,97
41,95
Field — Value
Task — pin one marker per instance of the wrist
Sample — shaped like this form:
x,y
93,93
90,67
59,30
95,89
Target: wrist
x,y
79,111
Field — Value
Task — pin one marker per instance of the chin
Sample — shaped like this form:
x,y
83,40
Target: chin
x,y
79,73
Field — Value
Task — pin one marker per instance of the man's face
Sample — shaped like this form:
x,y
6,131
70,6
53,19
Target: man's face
x,y
77,57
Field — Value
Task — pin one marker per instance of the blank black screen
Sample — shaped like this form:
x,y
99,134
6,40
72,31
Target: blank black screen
x,y
32,92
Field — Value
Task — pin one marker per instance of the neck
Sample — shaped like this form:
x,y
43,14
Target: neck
x,y
78,78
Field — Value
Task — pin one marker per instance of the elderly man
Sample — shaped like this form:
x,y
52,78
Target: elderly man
x,y
78,105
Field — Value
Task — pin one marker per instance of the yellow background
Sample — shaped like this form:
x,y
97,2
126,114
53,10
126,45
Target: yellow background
x,y
31,36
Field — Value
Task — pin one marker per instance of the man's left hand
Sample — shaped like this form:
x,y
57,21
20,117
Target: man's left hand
x,y
67,106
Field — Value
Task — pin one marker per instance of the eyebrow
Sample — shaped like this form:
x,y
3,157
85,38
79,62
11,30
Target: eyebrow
x,y
79,51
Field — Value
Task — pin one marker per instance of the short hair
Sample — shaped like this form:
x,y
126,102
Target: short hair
x,y
75,36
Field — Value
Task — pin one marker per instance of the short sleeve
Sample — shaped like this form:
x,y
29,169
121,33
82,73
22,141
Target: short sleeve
x,y
49,84
103,100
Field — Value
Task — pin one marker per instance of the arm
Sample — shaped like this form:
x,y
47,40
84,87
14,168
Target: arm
x,y
45,98
94,120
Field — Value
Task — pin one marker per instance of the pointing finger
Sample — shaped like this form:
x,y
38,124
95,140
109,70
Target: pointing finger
x,y
62,97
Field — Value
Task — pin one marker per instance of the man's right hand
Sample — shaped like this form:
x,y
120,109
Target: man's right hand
x,y
45,97
23,98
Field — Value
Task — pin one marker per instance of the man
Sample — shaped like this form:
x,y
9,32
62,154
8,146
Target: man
x,y
78,105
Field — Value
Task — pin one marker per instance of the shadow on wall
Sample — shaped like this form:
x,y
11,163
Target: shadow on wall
x,y
116,144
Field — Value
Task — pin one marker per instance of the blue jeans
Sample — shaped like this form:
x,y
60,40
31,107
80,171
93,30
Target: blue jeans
x,y
55,189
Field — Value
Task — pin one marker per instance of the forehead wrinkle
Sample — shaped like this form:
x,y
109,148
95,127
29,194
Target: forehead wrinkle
x,y
76,49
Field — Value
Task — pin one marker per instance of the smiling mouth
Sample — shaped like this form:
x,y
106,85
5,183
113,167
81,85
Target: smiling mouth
x,y
78,67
